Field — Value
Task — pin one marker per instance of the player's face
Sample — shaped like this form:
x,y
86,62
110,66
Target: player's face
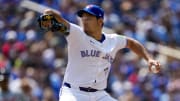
x,y
90,23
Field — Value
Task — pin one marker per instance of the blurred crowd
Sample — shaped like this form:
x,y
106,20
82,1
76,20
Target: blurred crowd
x,y
33,62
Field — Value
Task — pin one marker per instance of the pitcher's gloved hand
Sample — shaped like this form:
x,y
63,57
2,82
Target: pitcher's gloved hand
x,y
49,23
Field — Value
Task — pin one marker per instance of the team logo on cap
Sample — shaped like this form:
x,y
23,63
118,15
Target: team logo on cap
x,y
89,6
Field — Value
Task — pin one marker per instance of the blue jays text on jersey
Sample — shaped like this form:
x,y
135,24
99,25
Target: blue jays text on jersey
x,y
96,53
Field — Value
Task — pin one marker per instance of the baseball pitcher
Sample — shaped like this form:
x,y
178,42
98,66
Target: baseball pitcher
x,y
90,53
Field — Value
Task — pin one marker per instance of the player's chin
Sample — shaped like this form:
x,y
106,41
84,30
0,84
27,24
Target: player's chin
x,y
86,30
85,26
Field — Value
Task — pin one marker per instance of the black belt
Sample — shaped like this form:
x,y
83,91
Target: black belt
x,y
89,89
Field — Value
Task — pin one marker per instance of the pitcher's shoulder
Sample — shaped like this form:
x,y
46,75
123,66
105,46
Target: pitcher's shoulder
x,y
114,35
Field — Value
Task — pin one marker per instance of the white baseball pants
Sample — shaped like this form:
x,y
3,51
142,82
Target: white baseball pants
x,y
71,94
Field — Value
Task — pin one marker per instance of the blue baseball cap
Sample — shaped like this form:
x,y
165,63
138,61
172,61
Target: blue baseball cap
x,y
93,10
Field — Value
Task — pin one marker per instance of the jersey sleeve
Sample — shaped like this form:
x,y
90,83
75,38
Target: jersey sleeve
x,y
121,41
75,33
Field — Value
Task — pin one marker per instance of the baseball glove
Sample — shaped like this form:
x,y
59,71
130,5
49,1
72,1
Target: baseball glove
x,y
49,23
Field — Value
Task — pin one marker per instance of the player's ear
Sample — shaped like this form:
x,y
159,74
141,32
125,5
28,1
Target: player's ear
x,y
100,22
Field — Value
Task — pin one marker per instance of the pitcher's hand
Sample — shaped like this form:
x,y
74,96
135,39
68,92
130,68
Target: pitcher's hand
x,y
154,66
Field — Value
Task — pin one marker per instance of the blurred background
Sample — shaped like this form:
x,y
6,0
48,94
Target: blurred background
x,y
33,62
